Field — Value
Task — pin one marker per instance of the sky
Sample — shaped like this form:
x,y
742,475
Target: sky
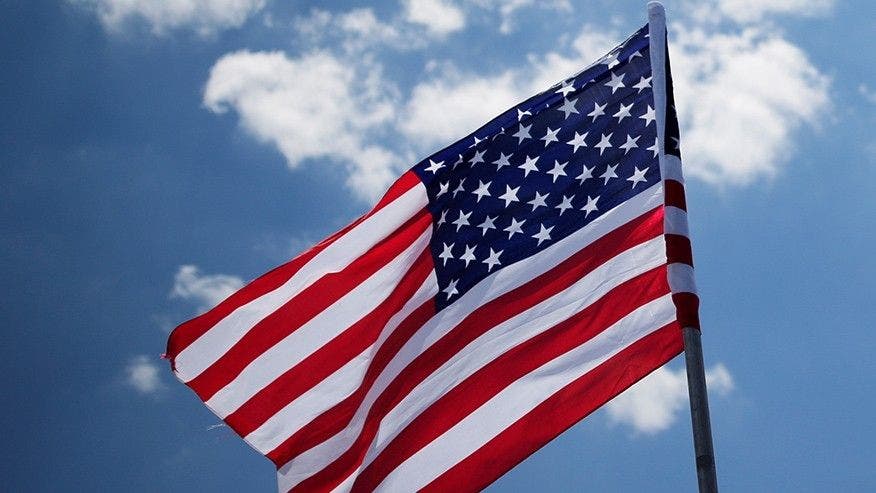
x,y
155,155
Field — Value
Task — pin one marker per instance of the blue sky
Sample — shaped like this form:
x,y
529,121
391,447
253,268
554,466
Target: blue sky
x,y
154,155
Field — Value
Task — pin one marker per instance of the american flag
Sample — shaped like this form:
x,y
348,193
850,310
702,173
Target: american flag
x,y
503,288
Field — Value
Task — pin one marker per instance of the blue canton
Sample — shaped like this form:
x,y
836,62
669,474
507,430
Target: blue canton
x,y
543,169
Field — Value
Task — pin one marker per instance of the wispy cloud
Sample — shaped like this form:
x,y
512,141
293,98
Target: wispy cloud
x,y
439,17
206,291
655,403
206,17
313,106
868,94
142,374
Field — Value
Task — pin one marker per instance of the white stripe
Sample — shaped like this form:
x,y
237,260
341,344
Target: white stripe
x,y
681,278
488,289
318,331
513,332
523,395
672,168
218,340
335,388
676,221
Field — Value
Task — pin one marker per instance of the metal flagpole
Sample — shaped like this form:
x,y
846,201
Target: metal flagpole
x,y
693,349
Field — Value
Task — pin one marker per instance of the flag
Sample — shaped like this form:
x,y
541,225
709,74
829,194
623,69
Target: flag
x,y
504,288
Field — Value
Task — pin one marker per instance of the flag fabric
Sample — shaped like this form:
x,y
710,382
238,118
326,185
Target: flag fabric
x,y
503,289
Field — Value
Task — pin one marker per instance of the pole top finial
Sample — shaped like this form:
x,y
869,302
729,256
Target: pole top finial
x,y
656,8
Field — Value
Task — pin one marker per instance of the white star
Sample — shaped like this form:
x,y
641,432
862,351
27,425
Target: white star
x,y
442,189
585,174
462,220
478,157
654,147
638,176
630,143
623,112
483,189
616,82
543,233
604,143
529,165
492,260
568,87
521,114
558,170
443,218
503,160
510,195
538,201
610,60
447,254
565,204
433,166
590,206
643,84
568,107
459,188
634,55
515,227
487,225
578,141
523,133
597,110
550,136
468,255
476,141
450,290
649,116
458,162
608,175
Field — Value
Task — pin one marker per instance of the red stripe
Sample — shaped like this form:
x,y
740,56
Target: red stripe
x,y
484,384
560,411
678,249
329,358
687,308
331,421
674,194
307,304
641,229
188,332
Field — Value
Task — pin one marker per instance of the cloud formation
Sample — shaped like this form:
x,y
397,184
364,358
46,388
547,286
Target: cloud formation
x,y
206,291
313,106
751,11
655,402
142,374
206,17
440,17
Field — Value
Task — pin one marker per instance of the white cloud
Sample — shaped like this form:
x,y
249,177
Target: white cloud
x,y
204,290
507,9
869,94
741,97
439,17
655,402
448,108
311,107
142,373
206,17
356,31
748,11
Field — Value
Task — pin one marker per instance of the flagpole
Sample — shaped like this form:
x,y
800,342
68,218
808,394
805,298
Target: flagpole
x,y
693,349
